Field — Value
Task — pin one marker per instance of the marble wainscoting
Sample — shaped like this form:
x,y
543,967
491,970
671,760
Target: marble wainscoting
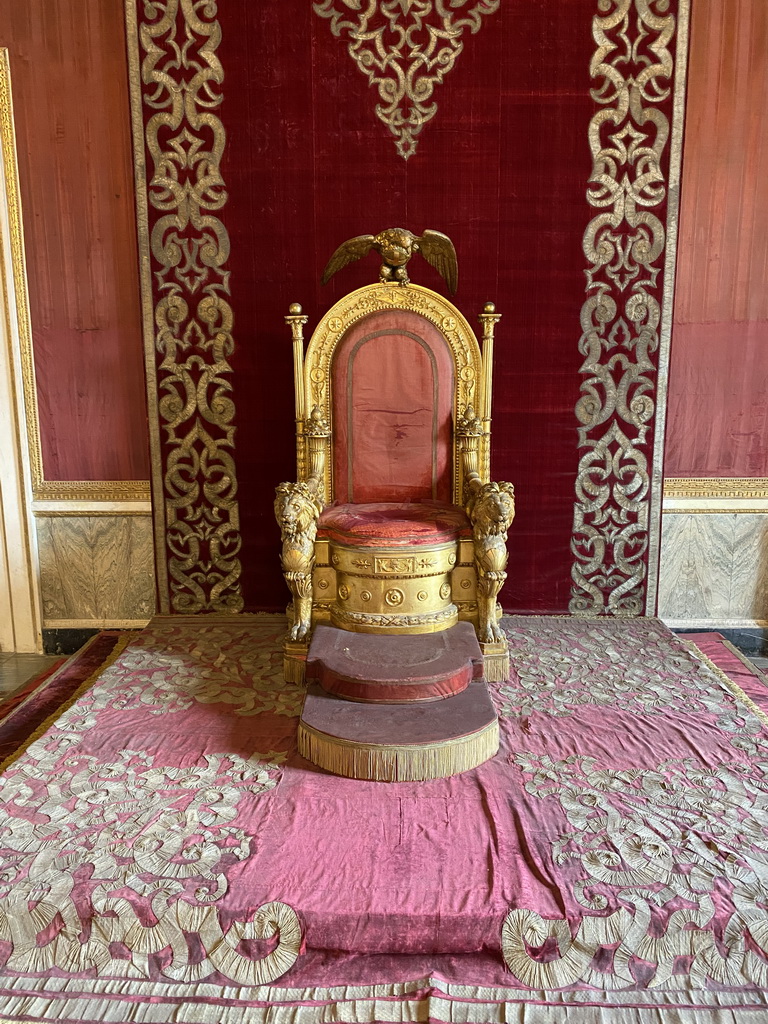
x,y
714,555
96,570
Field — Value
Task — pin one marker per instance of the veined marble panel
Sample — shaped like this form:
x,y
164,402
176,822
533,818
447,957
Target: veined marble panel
x,y
714,568
96,569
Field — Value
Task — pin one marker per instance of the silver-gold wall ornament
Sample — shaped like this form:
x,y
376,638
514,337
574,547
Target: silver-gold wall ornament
x,y
624,319
176,87
405,48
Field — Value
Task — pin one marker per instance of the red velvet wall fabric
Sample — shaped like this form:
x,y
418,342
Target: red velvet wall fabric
x,y
501,169
72,119
392,383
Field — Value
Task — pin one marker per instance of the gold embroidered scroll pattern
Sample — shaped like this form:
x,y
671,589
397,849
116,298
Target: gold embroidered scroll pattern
x,y
185,139
563,665
166,834
624,245
178,676
405,52
650,854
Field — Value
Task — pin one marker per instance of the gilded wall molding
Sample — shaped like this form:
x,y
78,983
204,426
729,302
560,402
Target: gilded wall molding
x,y
20,604
626,317
18,269
716,487
703,509
176,89
405,50
92,490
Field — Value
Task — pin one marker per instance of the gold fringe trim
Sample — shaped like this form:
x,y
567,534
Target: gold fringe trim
x,y
111,658
735,689
496,667
294,669
413,763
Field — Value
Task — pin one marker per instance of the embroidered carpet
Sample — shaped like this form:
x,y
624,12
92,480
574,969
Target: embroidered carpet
x,y
166,855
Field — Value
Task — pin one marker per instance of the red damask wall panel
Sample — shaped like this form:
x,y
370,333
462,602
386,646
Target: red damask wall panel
x,y
718,387
500,169
70,83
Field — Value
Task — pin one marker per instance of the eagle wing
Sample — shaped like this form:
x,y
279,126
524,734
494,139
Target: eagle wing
x,y
437,249
352,249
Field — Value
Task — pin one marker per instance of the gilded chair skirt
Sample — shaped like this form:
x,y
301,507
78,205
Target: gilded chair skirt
x,y
391,590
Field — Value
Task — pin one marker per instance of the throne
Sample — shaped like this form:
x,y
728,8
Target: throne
x,y
393,526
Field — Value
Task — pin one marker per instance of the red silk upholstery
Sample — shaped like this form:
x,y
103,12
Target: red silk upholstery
x,y
392,410
393,525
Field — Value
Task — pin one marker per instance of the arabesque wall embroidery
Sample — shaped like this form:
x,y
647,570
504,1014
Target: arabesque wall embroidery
x,y
181,78
405,48
625,248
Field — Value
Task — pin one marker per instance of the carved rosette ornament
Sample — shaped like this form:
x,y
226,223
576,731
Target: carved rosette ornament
x,y
177,79
621,320
405,48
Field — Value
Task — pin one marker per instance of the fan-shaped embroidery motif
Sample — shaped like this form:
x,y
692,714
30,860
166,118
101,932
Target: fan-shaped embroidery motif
x,y
405,48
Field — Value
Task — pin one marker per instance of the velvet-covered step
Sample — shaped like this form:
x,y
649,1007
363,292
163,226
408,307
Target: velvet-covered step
x,y
394,669
399,742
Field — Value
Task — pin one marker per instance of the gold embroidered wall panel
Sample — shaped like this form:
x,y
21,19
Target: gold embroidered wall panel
x,y
635,140
179,138
264,138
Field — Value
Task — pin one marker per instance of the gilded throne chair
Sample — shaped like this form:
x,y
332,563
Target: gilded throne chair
x,y
393,525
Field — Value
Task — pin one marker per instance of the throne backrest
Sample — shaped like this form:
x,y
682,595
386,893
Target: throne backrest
x,y
392,382
390,369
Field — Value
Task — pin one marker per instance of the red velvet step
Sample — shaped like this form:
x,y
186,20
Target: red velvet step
x,y
372,669
401,742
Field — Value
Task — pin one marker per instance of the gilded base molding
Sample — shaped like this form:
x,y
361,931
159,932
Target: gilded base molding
x,y
372,622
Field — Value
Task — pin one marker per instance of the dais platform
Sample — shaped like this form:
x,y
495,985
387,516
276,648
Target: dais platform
x,y
397,709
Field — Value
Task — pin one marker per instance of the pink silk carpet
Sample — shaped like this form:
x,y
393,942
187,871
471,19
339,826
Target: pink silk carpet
x,y
165,854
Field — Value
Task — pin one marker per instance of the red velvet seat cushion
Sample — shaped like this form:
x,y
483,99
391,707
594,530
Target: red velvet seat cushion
x,y
393,524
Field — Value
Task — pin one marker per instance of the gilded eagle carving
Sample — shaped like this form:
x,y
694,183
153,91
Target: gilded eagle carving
x,y
395,246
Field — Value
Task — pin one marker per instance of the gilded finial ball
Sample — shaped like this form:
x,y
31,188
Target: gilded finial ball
x,y
489,307
295,308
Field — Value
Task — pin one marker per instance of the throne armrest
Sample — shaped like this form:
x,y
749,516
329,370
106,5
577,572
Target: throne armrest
x,y
491,509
